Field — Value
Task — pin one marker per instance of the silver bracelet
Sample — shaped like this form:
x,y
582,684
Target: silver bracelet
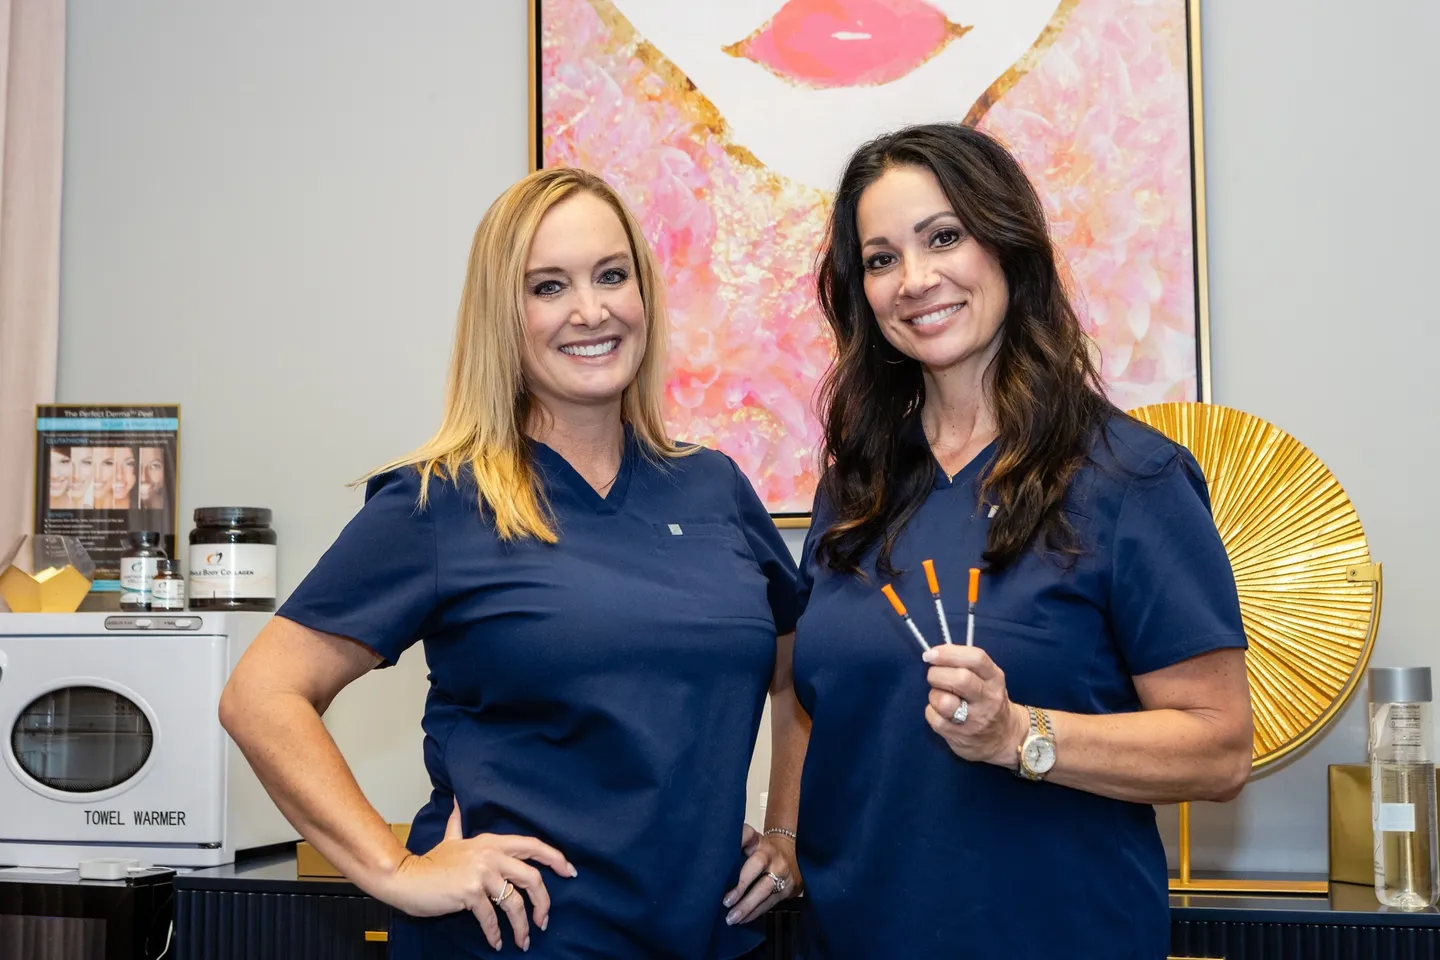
x,y
780,832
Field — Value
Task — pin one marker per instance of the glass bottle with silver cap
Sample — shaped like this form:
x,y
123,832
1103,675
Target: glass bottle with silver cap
x,y
1402,787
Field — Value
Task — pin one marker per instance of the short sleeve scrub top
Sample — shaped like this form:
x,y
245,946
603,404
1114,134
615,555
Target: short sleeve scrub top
x,y
908,850
602,694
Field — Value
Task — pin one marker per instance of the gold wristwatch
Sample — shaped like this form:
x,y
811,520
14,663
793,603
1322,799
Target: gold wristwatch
x,y
1037,750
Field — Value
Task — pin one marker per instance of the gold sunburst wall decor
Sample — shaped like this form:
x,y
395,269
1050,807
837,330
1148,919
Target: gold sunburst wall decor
x,y
1309,593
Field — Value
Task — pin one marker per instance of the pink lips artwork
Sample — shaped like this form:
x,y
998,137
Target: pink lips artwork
x,y
848,43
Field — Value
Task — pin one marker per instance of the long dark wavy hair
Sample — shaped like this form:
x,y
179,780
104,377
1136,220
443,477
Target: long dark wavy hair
x,y
1044,385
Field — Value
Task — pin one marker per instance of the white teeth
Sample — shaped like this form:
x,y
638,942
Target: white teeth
x,y
590,350
935,316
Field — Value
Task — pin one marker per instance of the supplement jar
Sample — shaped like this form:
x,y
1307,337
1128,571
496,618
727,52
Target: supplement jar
x,y
167,589
232,559
137,568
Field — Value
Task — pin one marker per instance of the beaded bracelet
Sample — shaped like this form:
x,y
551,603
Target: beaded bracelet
x,y
780,832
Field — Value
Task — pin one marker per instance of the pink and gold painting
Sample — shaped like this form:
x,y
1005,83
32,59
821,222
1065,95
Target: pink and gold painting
x,y
726,125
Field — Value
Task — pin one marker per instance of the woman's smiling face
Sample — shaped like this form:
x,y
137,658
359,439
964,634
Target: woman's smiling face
x,y
802,83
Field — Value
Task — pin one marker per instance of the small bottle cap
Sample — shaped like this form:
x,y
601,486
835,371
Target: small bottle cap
x,y
145,538
1400,685
165,567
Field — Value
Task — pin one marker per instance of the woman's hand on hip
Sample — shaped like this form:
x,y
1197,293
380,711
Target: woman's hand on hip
x,y
768,875
481,874
970,707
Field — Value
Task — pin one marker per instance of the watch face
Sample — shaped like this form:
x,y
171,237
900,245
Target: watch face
x,y
1039,755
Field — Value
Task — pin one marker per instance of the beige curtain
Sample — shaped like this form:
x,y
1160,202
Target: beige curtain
x,y
32,114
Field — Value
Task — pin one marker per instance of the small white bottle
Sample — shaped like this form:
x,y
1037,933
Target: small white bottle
x,y
1402,787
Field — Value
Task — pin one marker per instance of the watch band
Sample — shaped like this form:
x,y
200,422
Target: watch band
x,y
1039,718
1039,727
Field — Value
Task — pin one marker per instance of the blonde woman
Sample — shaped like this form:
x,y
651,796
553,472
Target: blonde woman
x,y
82,494
602,611
122,483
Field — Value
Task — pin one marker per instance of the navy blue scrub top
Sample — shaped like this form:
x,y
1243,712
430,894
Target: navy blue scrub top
x,y
602,694
906,849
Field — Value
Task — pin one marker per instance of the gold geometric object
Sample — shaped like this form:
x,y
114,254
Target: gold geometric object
x,y
1310,596
45,573
51,591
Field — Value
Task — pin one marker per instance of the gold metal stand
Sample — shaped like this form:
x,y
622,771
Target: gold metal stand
x,y
1310,594
1187,884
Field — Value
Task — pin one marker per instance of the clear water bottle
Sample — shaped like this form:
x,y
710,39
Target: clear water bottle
x,y
1402,787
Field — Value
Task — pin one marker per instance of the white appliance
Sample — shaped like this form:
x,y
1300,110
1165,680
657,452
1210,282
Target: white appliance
x,y
113,745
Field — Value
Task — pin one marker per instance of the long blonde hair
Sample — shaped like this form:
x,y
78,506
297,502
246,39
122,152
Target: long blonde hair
x,y
487,403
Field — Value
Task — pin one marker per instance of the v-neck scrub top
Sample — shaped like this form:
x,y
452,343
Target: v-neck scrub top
x,y
908,850
602,694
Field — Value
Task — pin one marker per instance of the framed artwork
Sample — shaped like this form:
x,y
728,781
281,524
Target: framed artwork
x,y
726,125
104,471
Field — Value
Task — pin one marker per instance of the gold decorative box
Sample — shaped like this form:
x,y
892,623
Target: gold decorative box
x,y
309,862
1352,841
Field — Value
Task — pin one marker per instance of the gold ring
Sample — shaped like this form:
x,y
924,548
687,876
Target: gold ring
x,y
505,891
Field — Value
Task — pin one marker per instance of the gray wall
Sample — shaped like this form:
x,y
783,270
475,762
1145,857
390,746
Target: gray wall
x,y
1321,216
268,206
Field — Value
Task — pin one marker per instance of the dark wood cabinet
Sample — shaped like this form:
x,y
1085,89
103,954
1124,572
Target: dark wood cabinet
x,y
236,924
1264,941
54,915
261,910
1349,924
